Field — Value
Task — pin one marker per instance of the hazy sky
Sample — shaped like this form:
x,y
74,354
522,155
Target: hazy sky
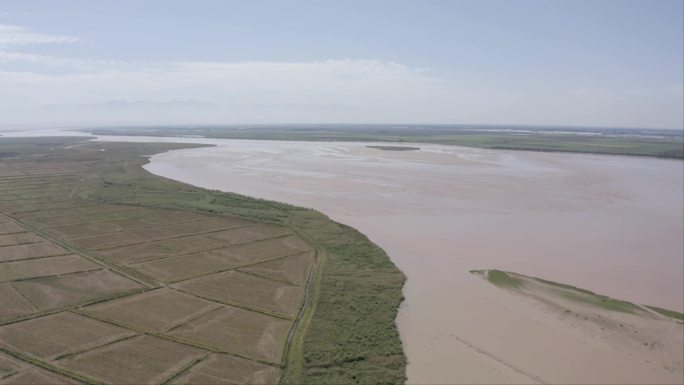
x,y
588,63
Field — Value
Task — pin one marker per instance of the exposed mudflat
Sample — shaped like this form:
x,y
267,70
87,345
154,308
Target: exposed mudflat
x,y
609,224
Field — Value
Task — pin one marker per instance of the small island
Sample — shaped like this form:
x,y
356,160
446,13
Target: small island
x,y
395,148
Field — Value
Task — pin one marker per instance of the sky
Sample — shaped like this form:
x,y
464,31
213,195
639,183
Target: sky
x,y
526,62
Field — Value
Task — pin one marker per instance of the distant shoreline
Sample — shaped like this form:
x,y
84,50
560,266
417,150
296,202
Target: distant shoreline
x,y
394,148
649,143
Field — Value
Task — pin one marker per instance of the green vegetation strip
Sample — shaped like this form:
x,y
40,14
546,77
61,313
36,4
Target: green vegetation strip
x,y
668,313
50,367
509,280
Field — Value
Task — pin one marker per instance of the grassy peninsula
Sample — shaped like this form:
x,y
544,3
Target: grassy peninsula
x,y
95,206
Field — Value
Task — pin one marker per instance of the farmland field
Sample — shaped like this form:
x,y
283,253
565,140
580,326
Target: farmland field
x,y
104,267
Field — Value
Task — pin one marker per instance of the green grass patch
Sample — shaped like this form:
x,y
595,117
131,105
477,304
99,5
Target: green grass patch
x,y
503,279
602,301
509,280
667,313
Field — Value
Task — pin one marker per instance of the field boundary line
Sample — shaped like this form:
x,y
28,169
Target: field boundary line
x,y
37,199
34,186
267,278
42,208
204,250
51,275
75,251
83,206
20,244
21,194
107,343
25,298
237,305
202,314
50,367
185,368
25,176
166,239
135,209
41,257
294,346
72,307
152,227
18,232
173,282
171,338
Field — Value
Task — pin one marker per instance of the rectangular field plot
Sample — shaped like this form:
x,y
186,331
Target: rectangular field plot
x,y
36,376
160,249
92,228
26,181
32,195
156,310
239,331
140,360
58,334
82,213
163,217
43,267
12,304
294,269
14,188
249,234
59,291
208,262
10,228
19,239
124,238
33,250
38,207
116,225
188,266
233,287
225,369
10,366
255,252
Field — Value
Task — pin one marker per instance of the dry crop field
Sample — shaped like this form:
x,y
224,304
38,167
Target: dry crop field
x,y
103,293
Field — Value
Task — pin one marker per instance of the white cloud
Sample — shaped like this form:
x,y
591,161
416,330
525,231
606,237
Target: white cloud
x,y
13,13
38,89
12,35
330,90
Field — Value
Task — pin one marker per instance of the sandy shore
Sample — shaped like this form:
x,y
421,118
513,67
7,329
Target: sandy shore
x,y
609,224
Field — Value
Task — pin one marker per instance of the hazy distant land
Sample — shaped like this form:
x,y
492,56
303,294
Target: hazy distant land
x,y
617,141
